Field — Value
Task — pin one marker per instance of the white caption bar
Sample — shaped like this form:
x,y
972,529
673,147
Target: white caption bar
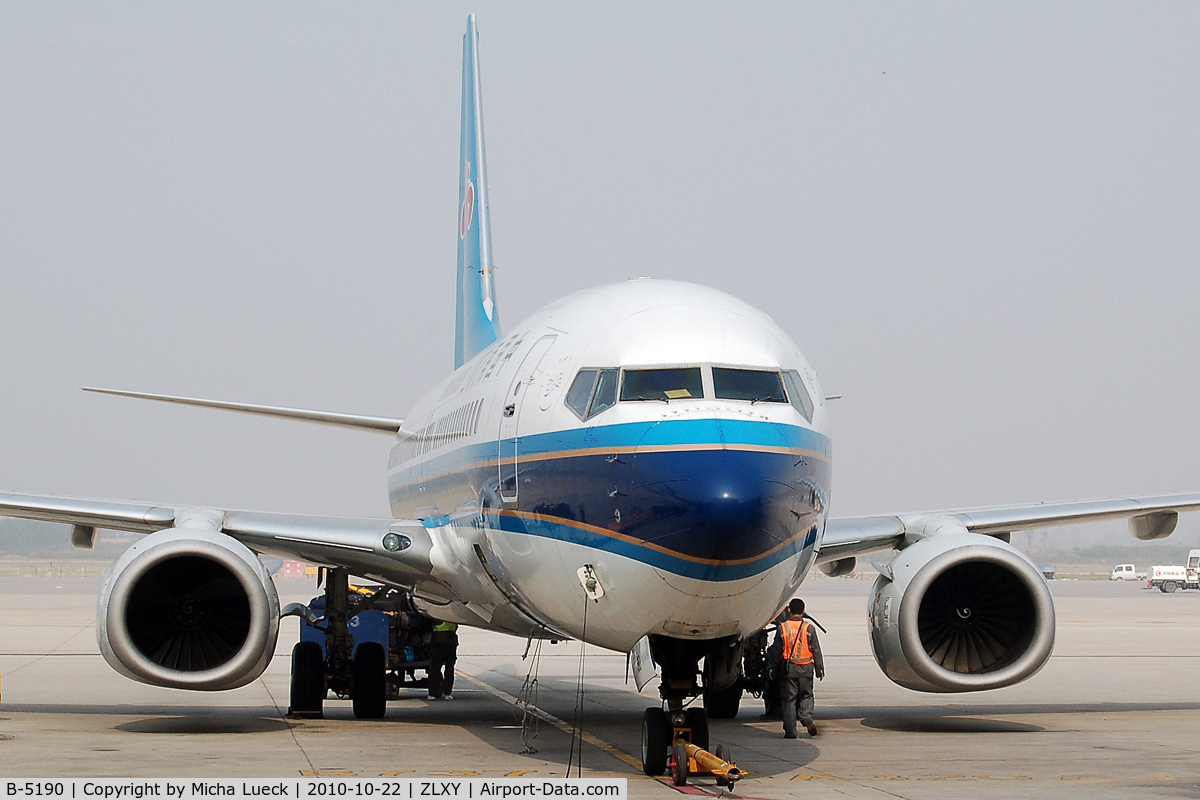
x,y
312,788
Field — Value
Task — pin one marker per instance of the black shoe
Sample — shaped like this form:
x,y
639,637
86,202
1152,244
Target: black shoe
x,y
811,727
789,736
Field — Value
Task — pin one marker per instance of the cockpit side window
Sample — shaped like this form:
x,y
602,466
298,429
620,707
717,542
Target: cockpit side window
x,y
581,391
755,385
677,383
606,392
798,393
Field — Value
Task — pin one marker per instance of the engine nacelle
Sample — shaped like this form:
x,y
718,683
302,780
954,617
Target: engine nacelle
x,y
960,613
188,609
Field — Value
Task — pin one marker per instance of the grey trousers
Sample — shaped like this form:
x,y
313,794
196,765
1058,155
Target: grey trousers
x,y
797,695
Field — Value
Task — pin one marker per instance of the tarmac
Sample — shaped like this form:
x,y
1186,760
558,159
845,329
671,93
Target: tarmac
x,y
1114,714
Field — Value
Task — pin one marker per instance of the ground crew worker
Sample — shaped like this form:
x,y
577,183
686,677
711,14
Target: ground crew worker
x,y
801,662
443,653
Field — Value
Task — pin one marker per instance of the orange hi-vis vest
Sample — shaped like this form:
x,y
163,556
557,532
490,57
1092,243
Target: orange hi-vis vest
x,y
795,632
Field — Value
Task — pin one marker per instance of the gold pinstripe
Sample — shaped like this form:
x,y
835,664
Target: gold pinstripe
x,y
642,543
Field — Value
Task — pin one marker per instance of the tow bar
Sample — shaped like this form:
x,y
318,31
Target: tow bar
x,y
688,759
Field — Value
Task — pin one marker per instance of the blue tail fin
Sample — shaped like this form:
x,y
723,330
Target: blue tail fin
x,y
477,322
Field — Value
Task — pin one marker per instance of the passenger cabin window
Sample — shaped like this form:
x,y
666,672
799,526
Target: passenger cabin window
x,y
798,393
755,385
662,384
581,391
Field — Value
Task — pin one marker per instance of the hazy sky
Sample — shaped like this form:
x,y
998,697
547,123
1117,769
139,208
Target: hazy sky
x,y
980,223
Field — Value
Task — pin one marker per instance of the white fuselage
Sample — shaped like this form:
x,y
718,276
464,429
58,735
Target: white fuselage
x,y
699,509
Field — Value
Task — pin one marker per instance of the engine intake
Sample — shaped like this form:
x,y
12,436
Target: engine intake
x,y
189,609
961,612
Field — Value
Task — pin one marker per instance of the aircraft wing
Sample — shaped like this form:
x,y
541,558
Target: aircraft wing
x,y
352,543
1149,518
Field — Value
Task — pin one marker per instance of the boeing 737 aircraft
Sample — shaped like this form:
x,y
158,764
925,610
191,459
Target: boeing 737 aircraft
x,y
644,466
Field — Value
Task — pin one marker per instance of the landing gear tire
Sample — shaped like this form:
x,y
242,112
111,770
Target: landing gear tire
x,y
370,681
679,764
722,752
656,739
308,680
697,720
724,703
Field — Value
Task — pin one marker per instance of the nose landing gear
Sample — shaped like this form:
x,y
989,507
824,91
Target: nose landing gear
x,y
678,740
661,730
676,737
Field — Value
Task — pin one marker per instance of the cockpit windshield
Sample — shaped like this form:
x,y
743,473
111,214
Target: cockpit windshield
x,y
755,385
595,389
588,403
606,392
801,400
581,391
676,383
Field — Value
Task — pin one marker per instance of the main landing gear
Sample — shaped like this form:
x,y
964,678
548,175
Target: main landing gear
x,y
360,672
368,664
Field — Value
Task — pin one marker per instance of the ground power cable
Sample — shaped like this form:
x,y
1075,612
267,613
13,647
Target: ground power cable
x,y
577,728
527,701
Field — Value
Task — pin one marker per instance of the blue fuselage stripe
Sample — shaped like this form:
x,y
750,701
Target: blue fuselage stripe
x,y
707,499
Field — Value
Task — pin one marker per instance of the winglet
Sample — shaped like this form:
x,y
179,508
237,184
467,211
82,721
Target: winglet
x,y
477,321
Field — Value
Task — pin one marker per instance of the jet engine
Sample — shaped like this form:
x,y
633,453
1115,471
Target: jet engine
x,y
188,609
961,612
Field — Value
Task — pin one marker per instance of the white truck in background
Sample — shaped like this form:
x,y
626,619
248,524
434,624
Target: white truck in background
x,y
1168,579
1126,572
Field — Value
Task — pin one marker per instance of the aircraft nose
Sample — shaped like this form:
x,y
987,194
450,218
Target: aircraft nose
x,y
720,507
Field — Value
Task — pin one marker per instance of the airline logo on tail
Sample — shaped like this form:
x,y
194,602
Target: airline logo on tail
x,y
468,204
465,217
477,317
